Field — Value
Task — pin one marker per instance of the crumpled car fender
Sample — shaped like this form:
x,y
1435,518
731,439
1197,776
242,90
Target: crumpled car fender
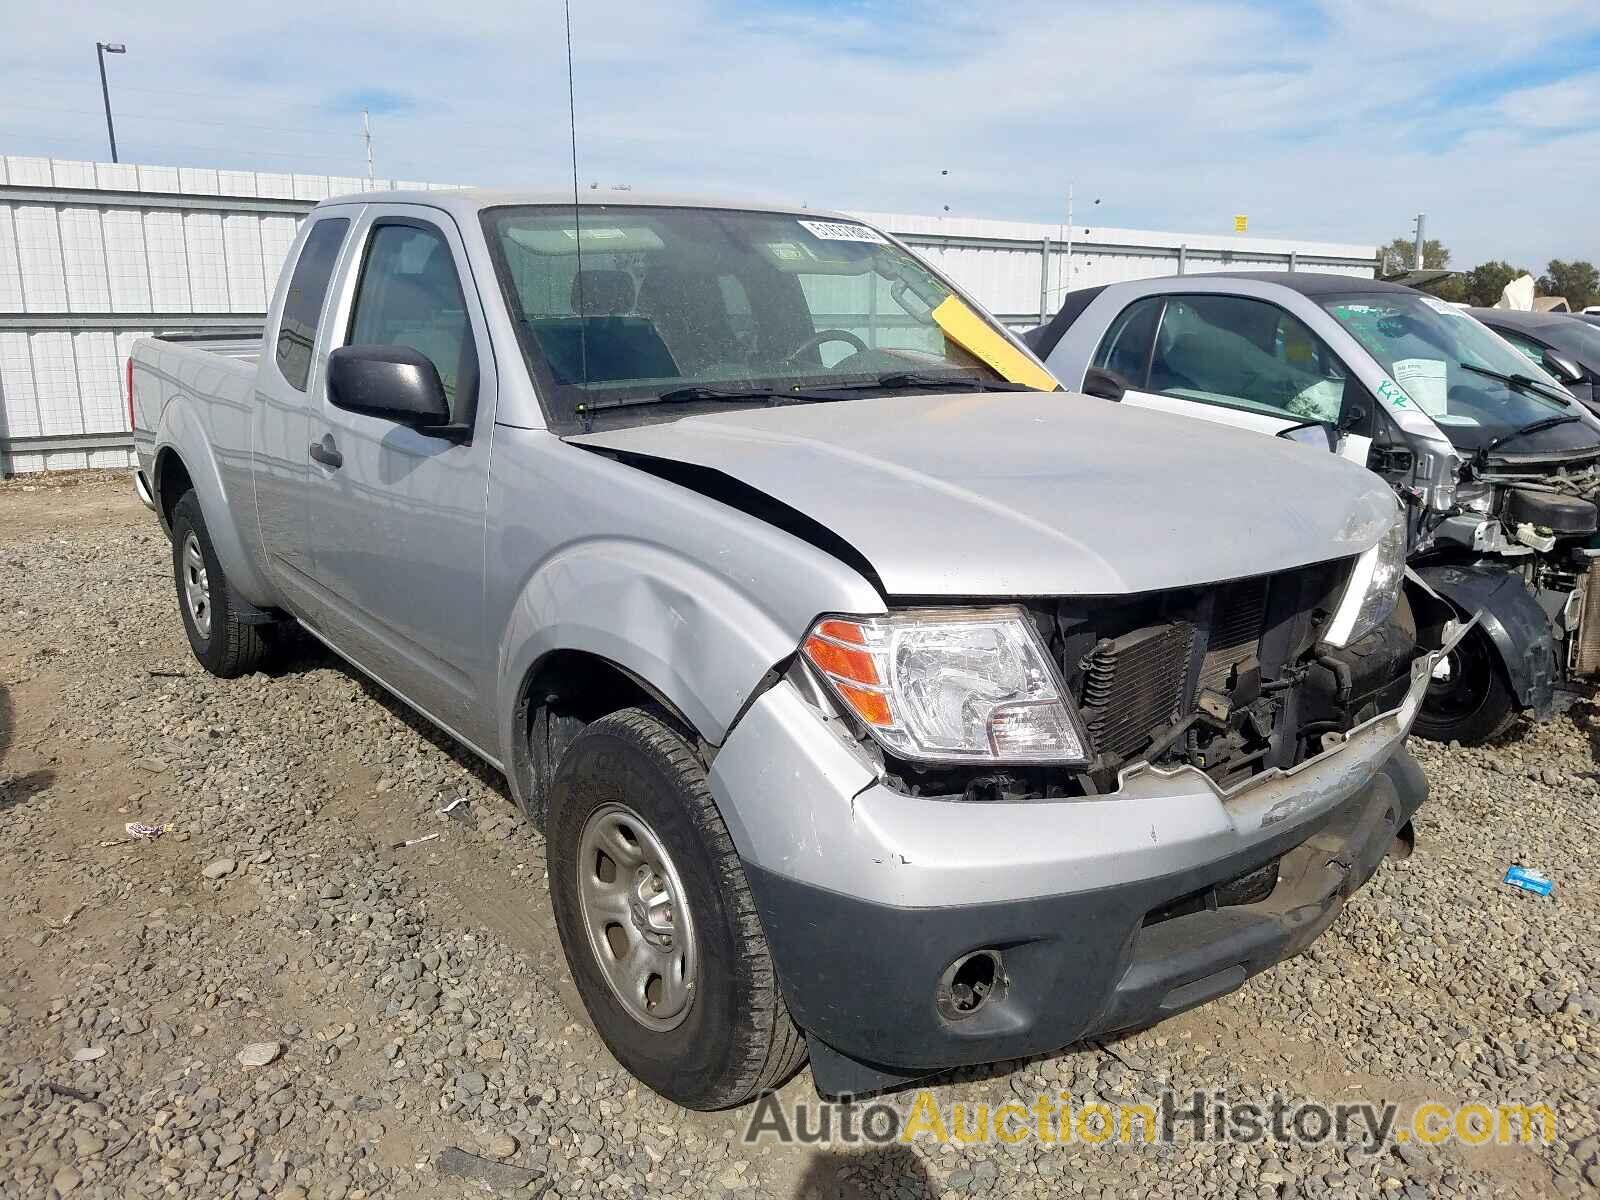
x,y
687,632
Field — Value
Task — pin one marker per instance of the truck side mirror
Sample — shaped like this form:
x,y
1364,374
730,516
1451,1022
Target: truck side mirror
x,y
1564,369
1107,385
396,382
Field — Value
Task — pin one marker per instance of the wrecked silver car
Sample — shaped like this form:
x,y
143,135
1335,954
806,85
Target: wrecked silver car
x,y
1497,464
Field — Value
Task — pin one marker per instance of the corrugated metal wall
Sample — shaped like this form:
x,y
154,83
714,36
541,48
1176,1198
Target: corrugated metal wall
x,y
1021,270
94,255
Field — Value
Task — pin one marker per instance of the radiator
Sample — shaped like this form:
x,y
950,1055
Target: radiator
x,y
1588,649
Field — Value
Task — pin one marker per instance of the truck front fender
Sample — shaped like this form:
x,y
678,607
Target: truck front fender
x,y
180,433
1513,620
687,633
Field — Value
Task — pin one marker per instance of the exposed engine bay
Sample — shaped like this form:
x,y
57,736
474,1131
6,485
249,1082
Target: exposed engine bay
x,y
1226,678
1536,518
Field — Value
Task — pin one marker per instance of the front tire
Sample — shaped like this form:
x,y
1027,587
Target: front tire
x,y
657,920
1472,702
222,643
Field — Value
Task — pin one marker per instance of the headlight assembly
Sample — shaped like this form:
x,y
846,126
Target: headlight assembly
x,y
1373,589
951,685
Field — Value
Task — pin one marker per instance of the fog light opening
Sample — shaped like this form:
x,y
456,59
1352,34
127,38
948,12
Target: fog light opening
x,y
970,983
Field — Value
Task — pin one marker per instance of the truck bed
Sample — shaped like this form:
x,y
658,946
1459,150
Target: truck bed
x,y
216,373
243,345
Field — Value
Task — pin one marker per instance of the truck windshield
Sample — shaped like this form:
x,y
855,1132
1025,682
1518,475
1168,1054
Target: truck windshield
x,y
1474,385
712,305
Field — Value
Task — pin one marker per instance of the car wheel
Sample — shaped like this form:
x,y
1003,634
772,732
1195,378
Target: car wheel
x,y
223,644
656,917
1469,699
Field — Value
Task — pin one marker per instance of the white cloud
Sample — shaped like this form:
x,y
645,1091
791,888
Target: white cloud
x,y
1339,125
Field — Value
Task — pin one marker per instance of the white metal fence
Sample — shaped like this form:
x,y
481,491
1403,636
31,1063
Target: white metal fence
x,y
94,255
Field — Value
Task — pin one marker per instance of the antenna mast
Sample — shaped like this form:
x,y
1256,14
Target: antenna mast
x,y
577,221
366,133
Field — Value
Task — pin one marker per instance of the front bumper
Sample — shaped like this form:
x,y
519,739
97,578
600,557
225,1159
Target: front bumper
x,y
861,978
1102,909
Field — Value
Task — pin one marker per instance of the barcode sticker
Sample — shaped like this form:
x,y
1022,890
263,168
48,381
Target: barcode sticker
x,y
843,231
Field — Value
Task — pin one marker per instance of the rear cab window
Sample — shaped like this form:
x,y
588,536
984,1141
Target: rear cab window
x,y
302,307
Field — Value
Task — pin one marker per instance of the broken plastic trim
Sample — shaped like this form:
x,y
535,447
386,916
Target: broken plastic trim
x,y
753,502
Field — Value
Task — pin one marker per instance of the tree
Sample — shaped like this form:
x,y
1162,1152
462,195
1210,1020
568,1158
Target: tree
x,y
1487,280
1578,281
1401,255
1452,288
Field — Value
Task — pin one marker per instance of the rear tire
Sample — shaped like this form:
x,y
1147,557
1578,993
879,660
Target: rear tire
x,y
1475,703
631,781
223,644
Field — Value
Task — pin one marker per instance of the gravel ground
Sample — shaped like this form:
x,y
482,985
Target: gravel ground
x,y
268,1000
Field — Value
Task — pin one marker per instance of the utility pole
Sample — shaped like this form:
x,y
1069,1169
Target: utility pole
x,y
366,132
1065,284
101,49
1421,217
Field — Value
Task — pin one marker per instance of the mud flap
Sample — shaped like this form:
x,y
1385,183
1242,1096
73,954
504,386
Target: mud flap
x,y
839,1077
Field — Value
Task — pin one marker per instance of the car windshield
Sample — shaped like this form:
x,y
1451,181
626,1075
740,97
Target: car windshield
x,y
1452,367
704,305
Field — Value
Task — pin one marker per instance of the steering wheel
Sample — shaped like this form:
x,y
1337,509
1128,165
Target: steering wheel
x,y
826,335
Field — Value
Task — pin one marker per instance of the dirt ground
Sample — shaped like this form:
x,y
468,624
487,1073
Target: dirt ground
x,y
416,998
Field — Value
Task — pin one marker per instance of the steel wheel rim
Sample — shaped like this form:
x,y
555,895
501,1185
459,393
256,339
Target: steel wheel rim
x,y
196,586
634,913
1464,687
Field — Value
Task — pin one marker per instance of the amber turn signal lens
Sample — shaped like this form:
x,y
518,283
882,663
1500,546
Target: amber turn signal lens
x,y
842,662
871,707
842,631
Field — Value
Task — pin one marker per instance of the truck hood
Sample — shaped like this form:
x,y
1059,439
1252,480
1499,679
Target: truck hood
x,y
1033,493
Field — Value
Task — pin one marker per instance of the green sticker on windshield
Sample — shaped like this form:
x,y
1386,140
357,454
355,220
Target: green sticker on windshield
x,y
1390,391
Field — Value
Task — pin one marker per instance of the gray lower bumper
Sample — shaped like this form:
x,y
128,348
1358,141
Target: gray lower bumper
x,y
803,804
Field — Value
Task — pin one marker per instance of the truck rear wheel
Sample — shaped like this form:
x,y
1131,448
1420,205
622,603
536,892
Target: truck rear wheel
x,y
223,644
656,917
1468,699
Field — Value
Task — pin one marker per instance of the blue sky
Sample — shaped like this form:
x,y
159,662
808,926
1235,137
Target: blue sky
x,y
1337,121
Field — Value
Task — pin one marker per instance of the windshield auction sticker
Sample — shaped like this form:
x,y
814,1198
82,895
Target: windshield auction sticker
x,y
968,330
843,231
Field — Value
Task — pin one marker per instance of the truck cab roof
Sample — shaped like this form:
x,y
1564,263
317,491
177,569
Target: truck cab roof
x,y
468,200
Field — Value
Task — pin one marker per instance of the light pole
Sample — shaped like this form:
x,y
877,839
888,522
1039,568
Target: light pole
x,y
101,49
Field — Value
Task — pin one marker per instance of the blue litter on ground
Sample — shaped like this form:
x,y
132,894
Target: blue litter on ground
x,y
1530,880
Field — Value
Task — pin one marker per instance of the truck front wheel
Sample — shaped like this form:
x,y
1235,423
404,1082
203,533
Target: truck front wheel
x,y
224,645
656,917
1468,699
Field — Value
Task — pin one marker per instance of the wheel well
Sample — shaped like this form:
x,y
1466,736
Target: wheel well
x,y
563,692
172,481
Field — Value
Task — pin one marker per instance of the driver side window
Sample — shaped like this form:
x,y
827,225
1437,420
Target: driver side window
x,y
1245,354
409,294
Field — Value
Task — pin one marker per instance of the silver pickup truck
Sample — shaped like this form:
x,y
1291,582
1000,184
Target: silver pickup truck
x,y
878,701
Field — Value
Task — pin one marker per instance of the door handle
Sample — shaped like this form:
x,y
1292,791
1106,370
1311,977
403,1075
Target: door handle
x,y
326,453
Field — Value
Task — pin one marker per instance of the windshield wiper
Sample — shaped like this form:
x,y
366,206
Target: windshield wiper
x,y
910,379
692,395
1531,427
943,383
1518,380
